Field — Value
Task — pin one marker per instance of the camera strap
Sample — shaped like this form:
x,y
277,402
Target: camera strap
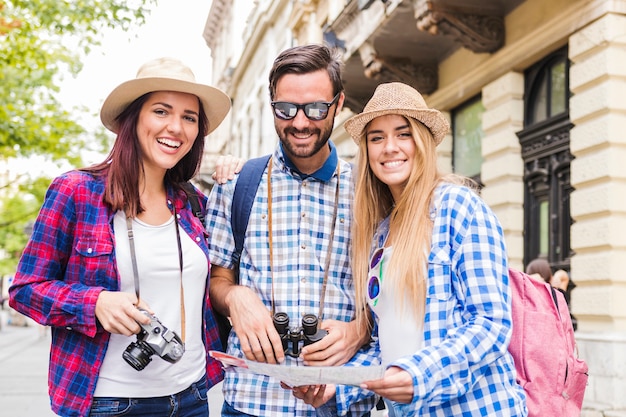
x,y
330,244
133,257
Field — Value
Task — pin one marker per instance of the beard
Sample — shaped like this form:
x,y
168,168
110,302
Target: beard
x,y
305,151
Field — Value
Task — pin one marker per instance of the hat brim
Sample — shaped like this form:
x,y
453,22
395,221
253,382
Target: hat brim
x,y
216,103
431,118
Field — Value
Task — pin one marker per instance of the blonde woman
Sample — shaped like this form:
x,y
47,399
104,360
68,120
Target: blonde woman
x,y
430,264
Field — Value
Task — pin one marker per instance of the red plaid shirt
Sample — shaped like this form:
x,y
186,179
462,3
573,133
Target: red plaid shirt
x,y
68,261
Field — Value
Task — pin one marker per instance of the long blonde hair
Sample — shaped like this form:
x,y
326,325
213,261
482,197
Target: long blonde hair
x,y
410,224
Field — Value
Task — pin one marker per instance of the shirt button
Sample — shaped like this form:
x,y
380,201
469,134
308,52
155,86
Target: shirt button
x,y
303,246
303,280
197,238
303,215
90,250
342,220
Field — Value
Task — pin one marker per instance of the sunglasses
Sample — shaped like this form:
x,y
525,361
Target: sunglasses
x,y
318,110
376,276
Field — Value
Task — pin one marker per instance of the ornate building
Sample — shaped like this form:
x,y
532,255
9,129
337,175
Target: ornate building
x,y
535,94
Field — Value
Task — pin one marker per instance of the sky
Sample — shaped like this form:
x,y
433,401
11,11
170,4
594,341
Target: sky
x,y
173,28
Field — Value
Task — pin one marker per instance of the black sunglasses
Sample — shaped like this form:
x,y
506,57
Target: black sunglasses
x,y
314,111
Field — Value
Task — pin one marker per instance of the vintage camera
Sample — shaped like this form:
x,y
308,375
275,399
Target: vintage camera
x,y
292,336
154,338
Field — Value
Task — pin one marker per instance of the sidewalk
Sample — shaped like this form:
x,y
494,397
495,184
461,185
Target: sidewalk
x,y
24,353
23,370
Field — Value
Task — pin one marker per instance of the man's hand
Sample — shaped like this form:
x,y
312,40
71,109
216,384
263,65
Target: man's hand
x,y
254,326
337,347
315,395
250,318
396,385
226,167
118,312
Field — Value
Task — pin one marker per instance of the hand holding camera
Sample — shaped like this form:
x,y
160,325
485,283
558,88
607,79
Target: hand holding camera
x,y
292,336
153,338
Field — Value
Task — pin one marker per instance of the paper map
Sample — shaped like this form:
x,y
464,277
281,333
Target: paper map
x,y
305,375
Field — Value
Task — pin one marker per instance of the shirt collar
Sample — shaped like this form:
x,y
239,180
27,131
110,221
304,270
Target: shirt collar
x,y
325,173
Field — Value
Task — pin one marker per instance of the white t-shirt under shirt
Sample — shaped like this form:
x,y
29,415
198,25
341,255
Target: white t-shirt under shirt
x,y
398,331
156,251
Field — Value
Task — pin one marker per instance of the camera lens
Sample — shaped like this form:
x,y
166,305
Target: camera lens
x,y
281,322
309,324
138,355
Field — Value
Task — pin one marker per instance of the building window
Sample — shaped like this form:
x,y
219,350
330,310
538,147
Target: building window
x,y
549,97
467,131
547,158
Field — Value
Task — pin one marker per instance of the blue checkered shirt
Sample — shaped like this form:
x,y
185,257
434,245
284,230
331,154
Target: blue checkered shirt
x,y
464,368
302,216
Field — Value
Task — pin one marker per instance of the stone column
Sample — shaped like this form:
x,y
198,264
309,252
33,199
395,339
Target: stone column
x,y
503,169
598,204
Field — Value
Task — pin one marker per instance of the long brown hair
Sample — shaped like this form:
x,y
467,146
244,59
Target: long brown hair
x,y
410,224
123,165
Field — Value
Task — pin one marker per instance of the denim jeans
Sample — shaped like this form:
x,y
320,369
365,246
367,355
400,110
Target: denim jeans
x,y
191,402
229,411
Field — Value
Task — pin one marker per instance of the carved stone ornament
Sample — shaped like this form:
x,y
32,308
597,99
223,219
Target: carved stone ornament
x,y
476,32
423,78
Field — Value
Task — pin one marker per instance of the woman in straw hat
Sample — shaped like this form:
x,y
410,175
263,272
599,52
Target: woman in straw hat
x,y
429,262
117,263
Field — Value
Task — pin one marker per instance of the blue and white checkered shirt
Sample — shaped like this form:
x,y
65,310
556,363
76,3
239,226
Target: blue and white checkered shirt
x,y
464,367
302,216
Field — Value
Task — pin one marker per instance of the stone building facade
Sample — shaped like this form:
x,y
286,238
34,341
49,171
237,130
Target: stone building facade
x,y
536,95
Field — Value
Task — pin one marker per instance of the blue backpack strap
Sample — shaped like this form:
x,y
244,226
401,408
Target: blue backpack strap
x,y
243,198
194,201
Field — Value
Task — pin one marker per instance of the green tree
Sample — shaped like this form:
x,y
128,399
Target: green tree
x,y
39,41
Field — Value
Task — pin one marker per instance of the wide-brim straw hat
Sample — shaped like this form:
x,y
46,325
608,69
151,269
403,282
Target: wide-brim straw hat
x,y
164,74
398,98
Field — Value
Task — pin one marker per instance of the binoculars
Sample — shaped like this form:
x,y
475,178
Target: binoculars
x,y
292,336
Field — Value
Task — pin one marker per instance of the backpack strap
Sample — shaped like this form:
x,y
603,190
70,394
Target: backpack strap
x,y
243,198
194,201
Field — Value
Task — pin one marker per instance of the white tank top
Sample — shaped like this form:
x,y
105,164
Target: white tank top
x,y
159,275
399,333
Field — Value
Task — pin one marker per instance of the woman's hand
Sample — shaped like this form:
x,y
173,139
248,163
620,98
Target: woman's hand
x,y
396,385
118,312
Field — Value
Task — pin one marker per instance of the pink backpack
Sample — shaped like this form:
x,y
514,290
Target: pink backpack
x,y
544,349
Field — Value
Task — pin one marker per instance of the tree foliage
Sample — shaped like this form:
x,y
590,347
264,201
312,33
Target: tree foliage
x,y
39,41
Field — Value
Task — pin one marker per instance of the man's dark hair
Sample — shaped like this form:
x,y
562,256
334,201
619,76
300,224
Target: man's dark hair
x,y
306,59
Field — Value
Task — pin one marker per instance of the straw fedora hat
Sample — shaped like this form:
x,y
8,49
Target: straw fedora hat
x,y
164,74
398,98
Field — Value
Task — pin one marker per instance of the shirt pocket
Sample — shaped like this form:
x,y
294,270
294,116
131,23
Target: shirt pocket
x,y
95,254
442,309
439,285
